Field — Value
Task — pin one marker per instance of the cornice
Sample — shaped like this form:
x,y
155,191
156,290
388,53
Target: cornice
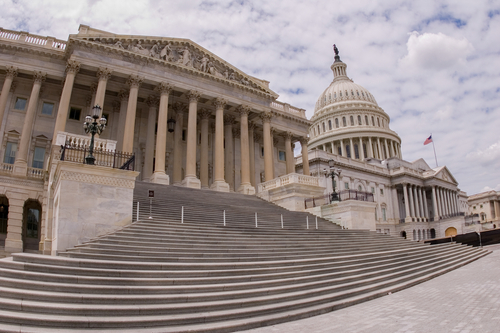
x,y
33,49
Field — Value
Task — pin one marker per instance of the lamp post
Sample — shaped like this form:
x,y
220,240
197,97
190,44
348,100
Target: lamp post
x,y
93,127
333,172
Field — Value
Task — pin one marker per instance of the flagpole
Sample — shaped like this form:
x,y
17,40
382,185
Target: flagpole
x,y
433,147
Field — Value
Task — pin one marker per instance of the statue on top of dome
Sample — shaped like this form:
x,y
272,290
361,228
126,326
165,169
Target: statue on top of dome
x,y
335,49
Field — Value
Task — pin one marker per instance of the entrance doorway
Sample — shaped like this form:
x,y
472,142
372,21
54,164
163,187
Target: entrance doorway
x,y
32,214
450,232
4,216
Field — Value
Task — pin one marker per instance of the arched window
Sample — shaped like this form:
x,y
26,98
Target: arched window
x,y
359,120
357,92
348,151
337,122
344,122
319,130
364,150
352,93
334,95
356,151
32,214
414,235
330,125
359,188
373,121
324,129
378,121
352,121
366,120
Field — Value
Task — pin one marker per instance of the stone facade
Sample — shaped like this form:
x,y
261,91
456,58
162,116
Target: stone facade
x,y
231,133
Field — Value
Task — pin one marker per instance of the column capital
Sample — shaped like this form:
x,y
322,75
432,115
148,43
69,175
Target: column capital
x,y
229,119
152,101
219,103
304,140
72,66
103,73
164,88
251,125
243,110
178,107
266,117
93,88
11,72
275,141
287,135
116,106
193,95
123,95
257,137
39,77
134,81
204,113
236,132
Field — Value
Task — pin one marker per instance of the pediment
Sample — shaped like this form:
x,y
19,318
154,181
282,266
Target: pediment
x,y
421,165
444,174
181,53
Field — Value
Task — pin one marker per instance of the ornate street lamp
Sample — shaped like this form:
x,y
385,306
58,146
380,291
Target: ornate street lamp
x,y
93,127
171,124
334,172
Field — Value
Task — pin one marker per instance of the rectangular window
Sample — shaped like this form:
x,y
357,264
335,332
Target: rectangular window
x,y
384,217
373,190
381,191
346,186
20,103
281,155
38,157
47,108
74,113
10,153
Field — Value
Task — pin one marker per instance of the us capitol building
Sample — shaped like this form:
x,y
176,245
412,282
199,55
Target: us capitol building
x,y
191,119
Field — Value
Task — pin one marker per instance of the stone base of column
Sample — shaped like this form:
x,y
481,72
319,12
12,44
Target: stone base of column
x,y
20,168
408,219
246,189
47,247
191,182
160,178
220,186
13,245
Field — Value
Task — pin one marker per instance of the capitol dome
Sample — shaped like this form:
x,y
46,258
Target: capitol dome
x,y
348,121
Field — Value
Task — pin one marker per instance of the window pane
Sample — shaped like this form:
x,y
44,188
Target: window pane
x,y
20,103
47,109
10,153
74,113
282,155
38,157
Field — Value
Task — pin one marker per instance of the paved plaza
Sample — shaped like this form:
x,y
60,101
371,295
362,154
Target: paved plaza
x,y
466,300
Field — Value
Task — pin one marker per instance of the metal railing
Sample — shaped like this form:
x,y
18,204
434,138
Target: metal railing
x,y
110,159
343,195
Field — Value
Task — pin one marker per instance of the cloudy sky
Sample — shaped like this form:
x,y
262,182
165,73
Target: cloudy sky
x,y
433,66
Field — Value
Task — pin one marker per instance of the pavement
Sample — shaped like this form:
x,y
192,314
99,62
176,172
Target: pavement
x,y
466,300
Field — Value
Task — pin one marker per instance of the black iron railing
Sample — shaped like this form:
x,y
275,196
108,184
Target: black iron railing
x,y
111,159
343,195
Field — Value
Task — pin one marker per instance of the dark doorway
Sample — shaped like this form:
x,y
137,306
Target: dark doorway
x,y
4,218
32,215
403,234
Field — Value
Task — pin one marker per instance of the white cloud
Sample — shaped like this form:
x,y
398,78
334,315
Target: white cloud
x,y
435,51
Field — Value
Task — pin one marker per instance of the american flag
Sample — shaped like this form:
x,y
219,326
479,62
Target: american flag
x,y
428,140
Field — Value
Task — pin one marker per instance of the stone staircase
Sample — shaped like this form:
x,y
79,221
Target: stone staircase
x,y
161,275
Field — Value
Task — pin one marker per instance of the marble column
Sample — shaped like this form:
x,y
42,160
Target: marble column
x,y
160,176
245,187
268,153
72,68
134,82
407,203
7,84
204,118
395,203
103,74
412,202
342,149
251,139
379,148
386,149
426,208
415,200
219,183
178,145
229,121
123,95
421,203
152,102
370,148
305,156
190,180
391,146
351,148
360,149
440,202
290,163
435,204
21,162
